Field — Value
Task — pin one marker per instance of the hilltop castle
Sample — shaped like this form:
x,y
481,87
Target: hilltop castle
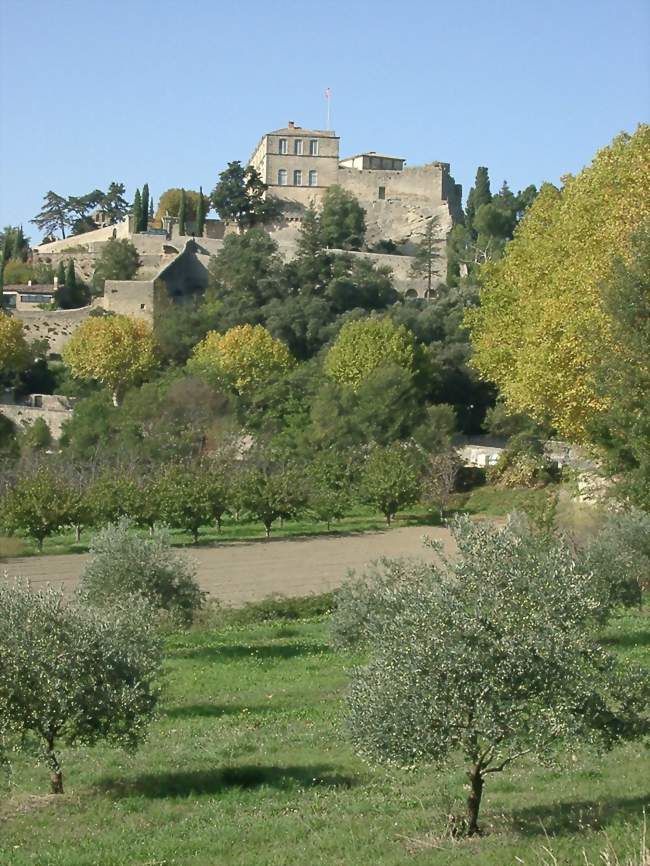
x,y
299,165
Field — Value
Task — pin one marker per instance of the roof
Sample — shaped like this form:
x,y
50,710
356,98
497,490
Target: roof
x,y
298,130
374,153
34,289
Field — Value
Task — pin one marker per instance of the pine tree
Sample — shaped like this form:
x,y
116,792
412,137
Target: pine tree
x,y
182,214
144,208
60,273
427,253
137,211
201,211
479,194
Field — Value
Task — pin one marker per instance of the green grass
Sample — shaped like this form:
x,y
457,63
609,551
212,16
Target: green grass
x,y
486,501
248,765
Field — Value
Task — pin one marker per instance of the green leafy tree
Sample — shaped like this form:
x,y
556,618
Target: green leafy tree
x,y
271,490
247,271
389,479
329,483
182,213
116,351
60,273
622,377
241,196
144,209
184,496
170,201
18,272
244,358
37,435
342,220
37,504
14,351
366,344
492,656
74,674
218,477
124,564
118,260
543,322
13,244
427,254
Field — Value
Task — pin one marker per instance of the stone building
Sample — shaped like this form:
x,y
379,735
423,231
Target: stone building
x,y
299,165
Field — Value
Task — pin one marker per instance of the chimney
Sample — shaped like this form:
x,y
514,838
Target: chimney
x,y
291,124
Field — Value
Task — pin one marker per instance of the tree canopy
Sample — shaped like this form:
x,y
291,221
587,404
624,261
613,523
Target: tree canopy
x,y
116,351
241,197
543,323
14,352
342,220
366,344
244,358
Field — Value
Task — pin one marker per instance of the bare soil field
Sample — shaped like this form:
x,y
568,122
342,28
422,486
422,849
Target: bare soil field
x,y
239,572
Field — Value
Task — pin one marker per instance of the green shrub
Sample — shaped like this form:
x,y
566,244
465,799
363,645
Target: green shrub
x,y
127,564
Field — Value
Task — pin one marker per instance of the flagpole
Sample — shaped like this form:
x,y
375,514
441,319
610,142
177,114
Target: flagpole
x,y
328,97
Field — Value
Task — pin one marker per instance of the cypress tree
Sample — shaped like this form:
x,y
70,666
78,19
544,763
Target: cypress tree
x,y
200,214
182,213
150,207
479,194
60,274
144,208
70,276
137,211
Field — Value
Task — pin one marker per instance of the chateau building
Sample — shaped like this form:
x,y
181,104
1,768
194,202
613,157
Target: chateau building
x,y
299,165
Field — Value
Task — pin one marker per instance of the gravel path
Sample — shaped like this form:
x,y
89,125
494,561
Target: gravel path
x,y
237,572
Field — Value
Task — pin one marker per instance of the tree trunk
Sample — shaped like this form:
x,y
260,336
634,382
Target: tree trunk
x,y
474,799
77,533
388,519
56,776
195,536
39,542
116,398
267,529
219,524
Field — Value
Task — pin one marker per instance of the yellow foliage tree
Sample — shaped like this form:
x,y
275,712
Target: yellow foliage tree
x,y
542,327
243,358
115,350
14,353
366,344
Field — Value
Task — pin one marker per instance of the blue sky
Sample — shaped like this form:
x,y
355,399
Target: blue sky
x,y
167,93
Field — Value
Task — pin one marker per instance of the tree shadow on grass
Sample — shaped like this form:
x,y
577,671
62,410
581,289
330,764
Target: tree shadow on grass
x,y
629,640
252,651
213,711
217,781
569,817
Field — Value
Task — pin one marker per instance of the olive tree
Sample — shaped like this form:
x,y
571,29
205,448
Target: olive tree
x,y
73,674
493,656
124,563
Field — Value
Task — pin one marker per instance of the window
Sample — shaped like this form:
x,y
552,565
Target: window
x,y
381,194
313,147
297,178
297,147
36,299
313,178
282,177
282,145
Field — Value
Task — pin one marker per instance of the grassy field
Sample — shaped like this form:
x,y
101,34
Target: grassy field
x,y
248,765
483,501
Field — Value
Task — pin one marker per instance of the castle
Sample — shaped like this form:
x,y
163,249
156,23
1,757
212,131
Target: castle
x,y
299,166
